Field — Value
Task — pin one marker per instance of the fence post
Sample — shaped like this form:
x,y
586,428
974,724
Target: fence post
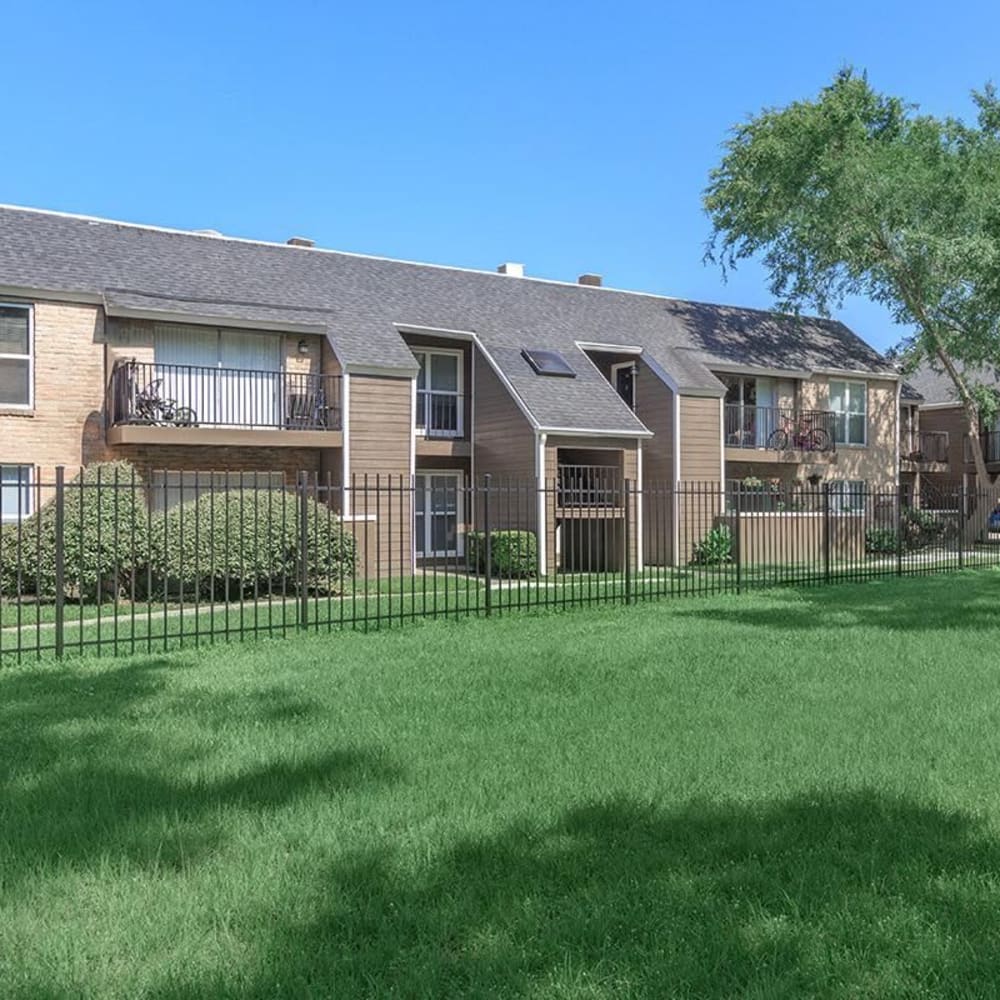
x,y
962,514
628,539
826,532
303,550
487,545
738,538
60,567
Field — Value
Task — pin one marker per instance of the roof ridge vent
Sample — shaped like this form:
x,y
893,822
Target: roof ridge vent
x,y
300,241
511,269
594,280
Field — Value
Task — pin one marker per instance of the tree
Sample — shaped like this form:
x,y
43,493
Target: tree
x,y
856,193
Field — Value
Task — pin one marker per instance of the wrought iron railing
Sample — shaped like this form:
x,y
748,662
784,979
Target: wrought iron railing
x,y
776,428
924,446
990,441
440,414
198,396
589,486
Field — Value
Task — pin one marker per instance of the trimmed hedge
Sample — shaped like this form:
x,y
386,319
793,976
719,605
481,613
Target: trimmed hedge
x,y
512,553
230,544
105,536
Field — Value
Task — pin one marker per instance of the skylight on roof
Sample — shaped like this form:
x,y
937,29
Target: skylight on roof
x,y
548,363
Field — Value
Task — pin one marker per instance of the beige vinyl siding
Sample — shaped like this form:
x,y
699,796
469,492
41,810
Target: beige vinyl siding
x,y
700,501
655,408
379,436
701,439
503,446
503,439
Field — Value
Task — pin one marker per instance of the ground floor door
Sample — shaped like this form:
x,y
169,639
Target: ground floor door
x,y
438,515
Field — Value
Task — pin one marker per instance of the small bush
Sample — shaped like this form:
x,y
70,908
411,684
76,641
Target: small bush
x,y
105,538
233,543
512,553
715,548
881,541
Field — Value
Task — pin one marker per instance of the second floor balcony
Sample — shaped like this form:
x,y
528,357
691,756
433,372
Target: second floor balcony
x,y
924,447
990,441
181,399
778,429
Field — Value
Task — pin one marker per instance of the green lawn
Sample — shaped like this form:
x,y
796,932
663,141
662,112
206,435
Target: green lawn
x,y
782,794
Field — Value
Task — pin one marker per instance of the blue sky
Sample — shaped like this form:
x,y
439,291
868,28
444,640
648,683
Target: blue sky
x,y
569,136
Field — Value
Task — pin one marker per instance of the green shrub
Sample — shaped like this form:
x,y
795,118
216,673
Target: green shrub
x,y
512,553
920,528
105,538
881,541
715,548
233,543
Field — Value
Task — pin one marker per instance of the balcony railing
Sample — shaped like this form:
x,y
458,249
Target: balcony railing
x,y
589,486
440,414
924,446
990,441
778,429
198,396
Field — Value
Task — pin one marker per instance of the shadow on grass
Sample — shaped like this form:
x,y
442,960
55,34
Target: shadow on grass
x,y
824,895
93,765
970,602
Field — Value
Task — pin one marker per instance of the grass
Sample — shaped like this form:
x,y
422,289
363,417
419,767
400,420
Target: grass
x,y
782,794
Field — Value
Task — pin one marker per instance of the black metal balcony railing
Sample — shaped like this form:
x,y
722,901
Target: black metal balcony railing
x,y
198,396
778,429
924,446
440,414
990,441
589,486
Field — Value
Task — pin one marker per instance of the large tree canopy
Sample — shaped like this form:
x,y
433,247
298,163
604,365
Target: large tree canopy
x,y
857,193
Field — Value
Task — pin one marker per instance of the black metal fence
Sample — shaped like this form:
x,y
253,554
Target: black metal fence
x,y
113,562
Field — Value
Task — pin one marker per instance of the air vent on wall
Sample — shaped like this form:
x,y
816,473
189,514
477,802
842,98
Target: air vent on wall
x,y
548,363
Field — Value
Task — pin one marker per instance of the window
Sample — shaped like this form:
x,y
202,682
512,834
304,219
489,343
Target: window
x,y
623,378
849,403
437,514
548,363
847,496
168,489
15,356
439,393
15,492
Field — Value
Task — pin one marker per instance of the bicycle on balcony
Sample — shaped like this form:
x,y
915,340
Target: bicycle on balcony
x,y
799,434
152,407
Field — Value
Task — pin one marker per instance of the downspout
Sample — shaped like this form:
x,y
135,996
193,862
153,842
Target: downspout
x,y
540,439
676,507
640,503
413,469
899,396
345,425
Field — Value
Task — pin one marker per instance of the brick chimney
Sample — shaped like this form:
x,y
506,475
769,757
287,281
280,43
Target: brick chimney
x,y
594,280
301,241
514,270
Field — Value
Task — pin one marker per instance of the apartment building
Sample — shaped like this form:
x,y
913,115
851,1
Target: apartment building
x,y
192,352
935,450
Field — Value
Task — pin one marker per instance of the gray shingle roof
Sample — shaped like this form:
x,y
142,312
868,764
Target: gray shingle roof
x,y
935,386
361,302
